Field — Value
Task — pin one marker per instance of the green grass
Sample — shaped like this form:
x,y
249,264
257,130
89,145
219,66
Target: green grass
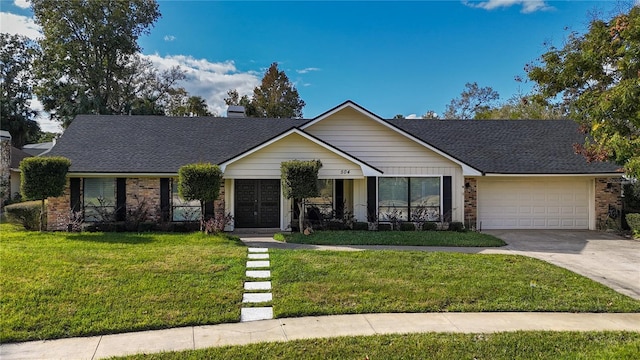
x,y
508,346
55,285
333,282
416,238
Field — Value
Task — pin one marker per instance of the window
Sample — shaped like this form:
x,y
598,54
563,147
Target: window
x,y
405,198
323,204
183,210
99,197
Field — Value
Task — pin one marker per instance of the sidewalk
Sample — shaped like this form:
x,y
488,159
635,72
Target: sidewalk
x,y
197,337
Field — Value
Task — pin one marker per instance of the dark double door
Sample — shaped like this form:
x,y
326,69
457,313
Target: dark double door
x,y
257,203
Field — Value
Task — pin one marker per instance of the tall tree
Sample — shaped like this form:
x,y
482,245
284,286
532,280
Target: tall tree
x,y
523,107
472,100
597,76
16,81
276,97
181,104
87,50
200,182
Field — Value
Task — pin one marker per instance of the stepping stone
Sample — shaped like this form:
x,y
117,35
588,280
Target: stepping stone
x,y
257,297
258,250
258,264
258,256
256,313
258,274
257,285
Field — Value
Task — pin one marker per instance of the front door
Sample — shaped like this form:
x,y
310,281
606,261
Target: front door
x,y
257,203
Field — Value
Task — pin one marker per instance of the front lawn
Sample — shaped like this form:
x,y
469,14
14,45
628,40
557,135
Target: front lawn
x,y
516,345
415,238
55,285
334,282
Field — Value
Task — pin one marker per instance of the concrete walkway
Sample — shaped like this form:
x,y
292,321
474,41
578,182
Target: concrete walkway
x,y
198,337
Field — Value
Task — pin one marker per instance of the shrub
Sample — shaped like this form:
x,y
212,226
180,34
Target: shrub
x,y
430,226
407,226
456,226
360,225
384,227
279,237
25,213
634,223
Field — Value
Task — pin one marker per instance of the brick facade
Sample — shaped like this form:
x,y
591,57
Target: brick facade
x,y
59,210
138,191
470,202
143,192
607,196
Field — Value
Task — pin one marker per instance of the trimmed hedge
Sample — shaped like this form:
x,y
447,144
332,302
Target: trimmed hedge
x,y
430,226
634,223
456,226
25,213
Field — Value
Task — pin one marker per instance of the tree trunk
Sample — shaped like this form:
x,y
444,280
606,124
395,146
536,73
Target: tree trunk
x,y
301,216
202,215
42,215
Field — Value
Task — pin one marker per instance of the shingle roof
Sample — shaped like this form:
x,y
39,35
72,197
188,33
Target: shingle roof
x,y
158,144
508,146
16,157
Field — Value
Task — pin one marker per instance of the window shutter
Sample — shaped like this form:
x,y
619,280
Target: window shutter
x,y
74,193
447,198
209,210
165,191
121,199
339,200
372,207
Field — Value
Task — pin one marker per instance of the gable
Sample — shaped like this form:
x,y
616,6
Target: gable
x,y
377,143
264,162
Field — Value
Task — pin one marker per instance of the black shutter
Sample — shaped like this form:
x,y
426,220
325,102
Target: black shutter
x,y
447,198
372,207
74,193
339,201
121,199
209,210
165,191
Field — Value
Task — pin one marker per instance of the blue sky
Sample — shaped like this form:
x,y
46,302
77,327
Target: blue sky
x,y
390,57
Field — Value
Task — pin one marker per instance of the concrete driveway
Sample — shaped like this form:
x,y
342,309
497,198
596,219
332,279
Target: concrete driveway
x,y
604,257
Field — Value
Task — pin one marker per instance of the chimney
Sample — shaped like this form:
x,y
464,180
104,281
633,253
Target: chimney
x,y
236,111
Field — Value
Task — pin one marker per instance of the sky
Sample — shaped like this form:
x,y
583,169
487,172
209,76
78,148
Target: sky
x,y
389,57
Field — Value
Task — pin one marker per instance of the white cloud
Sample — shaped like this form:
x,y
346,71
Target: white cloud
x,y
46,124
169,38
412,116
19,25
23,4
528,6
211,80
306,70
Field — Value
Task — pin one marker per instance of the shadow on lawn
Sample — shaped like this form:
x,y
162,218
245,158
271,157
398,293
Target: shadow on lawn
x,y
112,238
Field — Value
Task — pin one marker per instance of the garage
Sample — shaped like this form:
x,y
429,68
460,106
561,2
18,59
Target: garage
x,y
545,203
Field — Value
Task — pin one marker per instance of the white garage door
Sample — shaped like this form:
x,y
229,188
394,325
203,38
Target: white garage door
x,y
533,204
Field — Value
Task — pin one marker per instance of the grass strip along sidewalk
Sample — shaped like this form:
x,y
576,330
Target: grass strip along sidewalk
x,y
507,346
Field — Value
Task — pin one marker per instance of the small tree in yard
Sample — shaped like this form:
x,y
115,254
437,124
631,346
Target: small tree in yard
x,y
300,181
43,177
199,182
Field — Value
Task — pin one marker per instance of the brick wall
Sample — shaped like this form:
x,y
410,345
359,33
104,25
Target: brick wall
x,y
470,202
607,193
139,191
144,192
59,210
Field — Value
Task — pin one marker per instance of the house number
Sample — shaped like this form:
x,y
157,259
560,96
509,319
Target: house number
x,y
344,171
